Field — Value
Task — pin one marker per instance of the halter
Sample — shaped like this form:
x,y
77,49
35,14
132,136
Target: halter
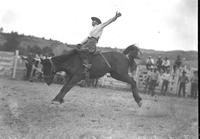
x,y
105,60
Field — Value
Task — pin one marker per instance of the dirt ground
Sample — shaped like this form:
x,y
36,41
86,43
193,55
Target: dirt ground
x,y
26,112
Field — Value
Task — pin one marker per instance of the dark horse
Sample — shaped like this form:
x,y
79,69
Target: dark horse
x,y
71,63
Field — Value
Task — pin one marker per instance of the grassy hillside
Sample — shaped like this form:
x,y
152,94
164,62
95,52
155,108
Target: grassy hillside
x,y
191,57
32,41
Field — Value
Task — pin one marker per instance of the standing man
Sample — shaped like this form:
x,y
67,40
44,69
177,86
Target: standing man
x,y
153,81
194,84
149,63
183,79
166,80
147,81
166,64
89,44
159,63
177,63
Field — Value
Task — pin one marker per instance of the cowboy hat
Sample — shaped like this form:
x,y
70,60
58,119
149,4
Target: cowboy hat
x,y
96,19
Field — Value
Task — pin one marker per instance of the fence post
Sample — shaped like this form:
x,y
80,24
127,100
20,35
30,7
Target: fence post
x,y
15,63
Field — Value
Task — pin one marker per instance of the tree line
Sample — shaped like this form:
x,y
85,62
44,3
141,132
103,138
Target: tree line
x,y
12,43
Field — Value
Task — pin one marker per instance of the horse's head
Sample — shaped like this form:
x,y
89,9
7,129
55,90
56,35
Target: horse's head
x,y
48,70
133,50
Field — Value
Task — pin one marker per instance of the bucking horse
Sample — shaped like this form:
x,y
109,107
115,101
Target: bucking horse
x,y
115,63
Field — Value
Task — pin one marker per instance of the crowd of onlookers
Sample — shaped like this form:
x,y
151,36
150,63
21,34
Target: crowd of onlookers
x,y
163,71
32,62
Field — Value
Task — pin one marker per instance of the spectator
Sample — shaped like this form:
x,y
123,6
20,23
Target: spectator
x,y
159,63
149,63
166,64
153,81
177,63
147,80
28,63
194,84
166,78
182,82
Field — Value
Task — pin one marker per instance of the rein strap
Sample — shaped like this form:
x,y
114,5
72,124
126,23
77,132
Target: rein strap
x,y
105,60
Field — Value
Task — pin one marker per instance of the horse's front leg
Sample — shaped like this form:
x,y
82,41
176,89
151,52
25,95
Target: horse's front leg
x,y
67,78
67,86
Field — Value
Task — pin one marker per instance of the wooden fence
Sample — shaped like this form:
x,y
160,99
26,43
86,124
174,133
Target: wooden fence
x,y
8,63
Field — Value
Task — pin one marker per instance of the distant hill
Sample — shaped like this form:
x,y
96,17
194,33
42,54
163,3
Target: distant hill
x,y
191,57
32,41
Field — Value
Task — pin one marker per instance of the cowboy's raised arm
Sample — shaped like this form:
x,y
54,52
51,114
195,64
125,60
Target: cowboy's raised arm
x,y
111,20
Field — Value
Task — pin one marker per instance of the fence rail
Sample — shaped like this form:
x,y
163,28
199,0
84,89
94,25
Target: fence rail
x,y
8,61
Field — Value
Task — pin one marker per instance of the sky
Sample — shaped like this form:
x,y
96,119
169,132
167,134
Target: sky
x,y
150,24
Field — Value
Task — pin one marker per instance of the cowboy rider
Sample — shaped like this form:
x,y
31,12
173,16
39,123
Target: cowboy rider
x,y
89,44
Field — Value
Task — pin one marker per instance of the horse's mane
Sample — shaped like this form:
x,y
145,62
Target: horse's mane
x,y
130,48
65,56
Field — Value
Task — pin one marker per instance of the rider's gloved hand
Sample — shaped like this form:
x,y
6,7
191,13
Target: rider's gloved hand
x,y
118,14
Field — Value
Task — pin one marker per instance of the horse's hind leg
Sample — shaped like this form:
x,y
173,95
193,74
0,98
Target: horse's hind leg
x,y
126,78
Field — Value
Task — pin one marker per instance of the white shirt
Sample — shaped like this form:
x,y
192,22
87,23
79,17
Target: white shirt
x,y
154,75
98,29
166,76
150,61
166,63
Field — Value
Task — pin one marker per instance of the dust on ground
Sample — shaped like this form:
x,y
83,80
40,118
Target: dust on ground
x,y
91,113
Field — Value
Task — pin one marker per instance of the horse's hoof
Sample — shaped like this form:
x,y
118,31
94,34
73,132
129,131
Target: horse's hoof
x,y
140,103
61,101
54,101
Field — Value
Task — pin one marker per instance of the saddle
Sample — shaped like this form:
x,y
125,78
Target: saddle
x,y
86,54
